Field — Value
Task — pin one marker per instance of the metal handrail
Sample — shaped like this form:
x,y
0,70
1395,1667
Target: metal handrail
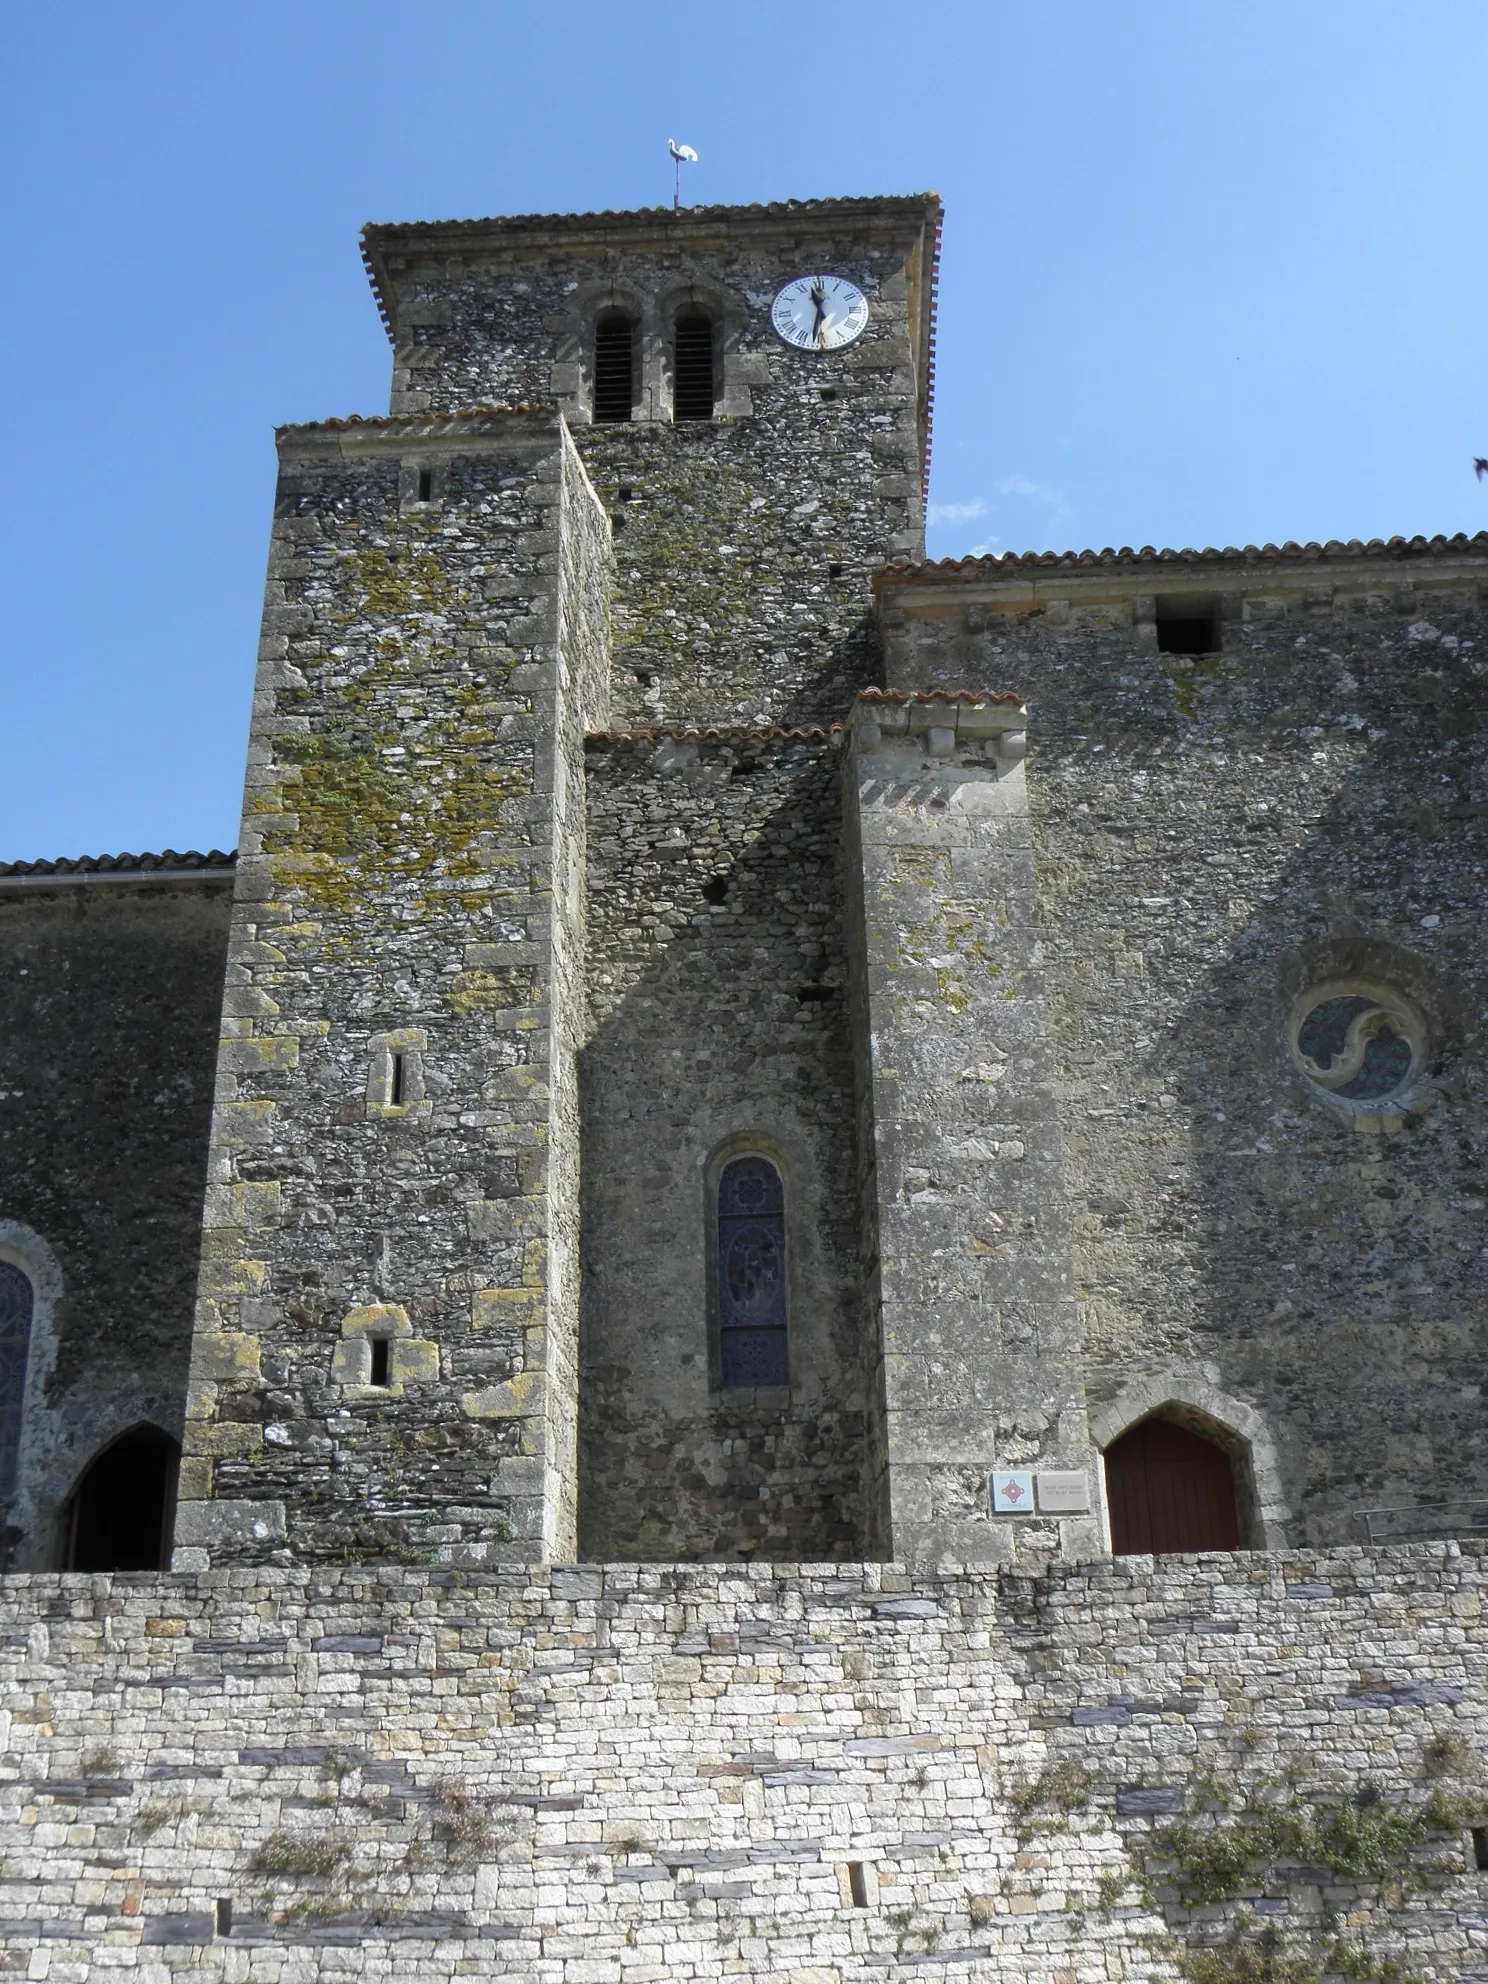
x,y
1420,1521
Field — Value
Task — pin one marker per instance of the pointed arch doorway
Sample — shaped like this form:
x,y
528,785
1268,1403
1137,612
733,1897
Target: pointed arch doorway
x,y
1169,1490
123,1510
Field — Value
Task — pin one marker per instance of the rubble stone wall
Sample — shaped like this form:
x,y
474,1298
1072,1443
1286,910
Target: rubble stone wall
x,y
744,544
719,1025
633,1772
1216,837
109,996
396,1070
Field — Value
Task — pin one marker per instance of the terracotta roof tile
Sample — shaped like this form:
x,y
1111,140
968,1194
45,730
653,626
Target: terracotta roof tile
x,y
414,422
819,733
994,566
109,864
978,696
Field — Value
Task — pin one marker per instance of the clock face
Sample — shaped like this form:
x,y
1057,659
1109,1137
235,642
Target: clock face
x,y
820,313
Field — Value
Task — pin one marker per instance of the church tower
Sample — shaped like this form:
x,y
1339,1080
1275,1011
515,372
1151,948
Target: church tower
x,y
637,472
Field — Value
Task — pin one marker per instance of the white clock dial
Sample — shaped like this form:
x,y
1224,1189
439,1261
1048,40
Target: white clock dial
x,y
820,313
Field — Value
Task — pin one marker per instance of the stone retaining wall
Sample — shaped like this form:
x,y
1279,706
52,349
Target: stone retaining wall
x,y
631,1772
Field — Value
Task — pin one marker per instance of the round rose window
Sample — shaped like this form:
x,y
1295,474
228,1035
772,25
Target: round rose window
x,y
1360,1044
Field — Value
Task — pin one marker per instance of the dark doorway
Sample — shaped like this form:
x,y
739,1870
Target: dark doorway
x,y
121,1513
1169,1490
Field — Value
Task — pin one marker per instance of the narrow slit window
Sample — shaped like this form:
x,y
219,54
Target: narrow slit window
x,y
425,484
397,1079
224,1915
753,1319
614,366
857,1883
380,1374
692,366
1480,1848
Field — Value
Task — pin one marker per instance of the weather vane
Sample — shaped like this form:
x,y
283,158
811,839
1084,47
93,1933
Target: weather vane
x,y
681,155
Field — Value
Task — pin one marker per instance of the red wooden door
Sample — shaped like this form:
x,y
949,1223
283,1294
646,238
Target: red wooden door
x,y
1169,1490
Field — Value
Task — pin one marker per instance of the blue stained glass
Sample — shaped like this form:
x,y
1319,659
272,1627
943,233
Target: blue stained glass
x,y
1355,1050
752,1298
15,1342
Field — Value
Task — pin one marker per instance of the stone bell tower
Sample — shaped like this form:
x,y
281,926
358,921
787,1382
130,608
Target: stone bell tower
x,y
385,1361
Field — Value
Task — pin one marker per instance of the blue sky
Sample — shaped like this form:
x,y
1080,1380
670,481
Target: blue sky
x,y
1212,274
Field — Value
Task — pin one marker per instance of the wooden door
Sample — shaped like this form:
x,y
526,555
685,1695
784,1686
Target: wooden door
x,y
1169,1490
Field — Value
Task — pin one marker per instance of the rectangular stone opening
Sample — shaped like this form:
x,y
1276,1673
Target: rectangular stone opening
x,y
380,1374
224,1915
1188,626
396,1079
1480,1847
425,484
857,1882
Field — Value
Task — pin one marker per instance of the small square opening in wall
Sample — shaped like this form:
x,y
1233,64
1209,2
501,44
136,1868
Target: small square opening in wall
x,y
1188,626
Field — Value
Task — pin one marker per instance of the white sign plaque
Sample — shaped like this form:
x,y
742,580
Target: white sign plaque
x,y
1012,1491
1064,1491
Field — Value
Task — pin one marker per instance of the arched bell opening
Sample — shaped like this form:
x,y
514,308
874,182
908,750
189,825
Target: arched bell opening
x,y
1169,1490
121,1514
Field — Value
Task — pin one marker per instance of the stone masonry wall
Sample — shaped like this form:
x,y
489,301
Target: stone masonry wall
x,y
396,1068
1214,836
718,1024
744,545
109,994
981,1355
626,1774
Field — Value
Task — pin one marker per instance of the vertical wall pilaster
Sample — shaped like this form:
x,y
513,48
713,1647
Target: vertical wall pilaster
x,y
980,1357
385,1350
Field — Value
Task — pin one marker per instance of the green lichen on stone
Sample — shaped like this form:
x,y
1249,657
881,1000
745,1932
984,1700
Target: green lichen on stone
x,y
391,801
1190,676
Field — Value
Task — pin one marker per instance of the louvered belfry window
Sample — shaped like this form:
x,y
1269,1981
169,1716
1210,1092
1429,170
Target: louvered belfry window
x,y
752,1306
15,1345
692,366
614,366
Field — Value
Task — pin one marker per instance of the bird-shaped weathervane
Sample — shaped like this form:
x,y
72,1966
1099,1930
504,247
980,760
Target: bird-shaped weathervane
x,y
685,155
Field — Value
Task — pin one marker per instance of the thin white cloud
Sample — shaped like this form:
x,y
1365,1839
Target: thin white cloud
x,y
1019,485
955,513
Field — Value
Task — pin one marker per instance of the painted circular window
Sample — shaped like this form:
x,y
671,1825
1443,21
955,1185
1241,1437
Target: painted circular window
x,y
1360,1044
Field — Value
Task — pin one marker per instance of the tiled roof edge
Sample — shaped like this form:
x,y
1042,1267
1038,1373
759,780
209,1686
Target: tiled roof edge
x,y
932,302
168,861
994,564
411,422
817,733
976,696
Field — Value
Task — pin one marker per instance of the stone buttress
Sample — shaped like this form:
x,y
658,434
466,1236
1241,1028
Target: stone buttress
x,y
385,1349
981,1364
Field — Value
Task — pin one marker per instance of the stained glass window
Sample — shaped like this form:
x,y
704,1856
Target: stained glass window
x,y
1355,1048
15,1341
752,1308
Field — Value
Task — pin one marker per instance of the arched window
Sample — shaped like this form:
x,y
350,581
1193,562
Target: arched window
x,y
692,365
1169,1489
752,1307
614,365
16,1301
122,1511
